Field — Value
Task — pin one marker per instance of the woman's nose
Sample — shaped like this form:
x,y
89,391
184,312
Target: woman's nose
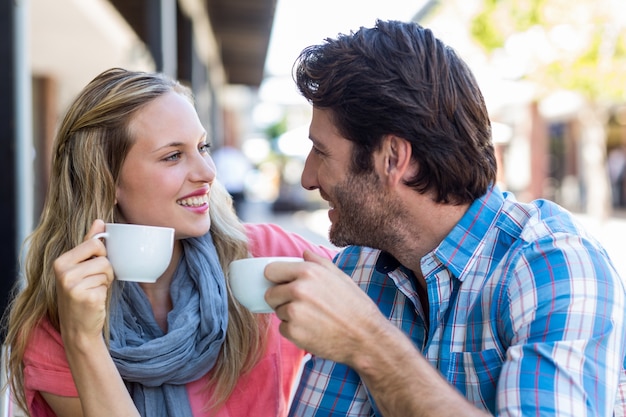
x,y
205,169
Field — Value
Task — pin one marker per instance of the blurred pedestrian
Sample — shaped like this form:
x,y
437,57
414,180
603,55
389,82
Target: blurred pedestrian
x,y
616,165
233,168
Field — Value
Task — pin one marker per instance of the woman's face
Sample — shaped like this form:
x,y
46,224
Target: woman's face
x,y
167,175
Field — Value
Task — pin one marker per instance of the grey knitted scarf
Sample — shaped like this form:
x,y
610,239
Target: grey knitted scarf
x,y
156,365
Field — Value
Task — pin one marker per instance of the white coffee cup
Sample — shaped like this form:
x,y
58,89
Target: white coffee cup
x,y
248,283
138,252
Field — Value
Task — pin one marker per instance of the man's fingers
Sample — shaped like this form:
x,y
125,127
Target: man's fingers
x,y
311,256
281,272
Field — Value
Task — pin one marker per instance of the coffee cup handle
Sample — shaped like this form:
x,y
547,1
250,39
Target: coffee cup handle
x,y
102,235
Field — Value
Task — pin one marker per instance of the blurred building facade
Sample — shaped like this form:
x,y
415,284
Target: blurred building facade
x,y
550,143
51,49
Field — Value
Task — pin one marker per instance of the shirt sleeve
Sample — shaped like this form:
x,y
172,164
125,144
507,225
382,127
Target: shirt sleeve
x,y
329,388
563,315
46,368
267,239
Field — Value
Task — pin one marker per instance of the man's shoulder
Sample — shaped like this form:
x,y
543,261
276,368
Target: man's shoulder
x,y
536,220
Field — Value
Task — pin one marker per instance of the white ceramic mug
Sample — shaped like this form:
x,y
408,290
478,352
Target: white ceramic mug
x,y
138,252
248,283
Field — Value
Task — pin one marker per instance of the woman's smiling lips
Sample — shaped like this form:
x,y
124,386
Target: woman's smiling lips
x,y
197,201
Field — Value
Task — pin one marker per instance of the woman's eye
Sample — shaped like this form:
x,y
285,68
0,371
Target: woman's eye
x,y
204,147
173,157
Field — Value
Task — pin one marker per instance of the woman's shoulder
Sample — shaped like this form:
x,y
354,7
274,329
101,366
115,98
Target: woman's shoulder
x,y
46,367
267,239
45,346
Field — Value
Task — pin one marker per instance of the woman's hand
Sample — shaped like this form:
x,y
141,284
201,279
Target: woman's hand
x,y
83,276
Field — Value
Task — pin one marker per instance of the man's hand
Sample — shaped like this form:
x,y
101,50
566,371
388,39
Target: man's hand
x,y
322,310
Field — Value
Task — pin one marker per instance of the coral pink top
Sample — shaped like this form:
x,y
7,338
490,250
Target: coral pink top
x,y
265,390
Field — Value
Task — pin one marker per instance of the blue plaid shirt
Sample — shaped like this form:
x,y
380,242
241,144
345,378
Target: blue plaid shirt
x,y
527,316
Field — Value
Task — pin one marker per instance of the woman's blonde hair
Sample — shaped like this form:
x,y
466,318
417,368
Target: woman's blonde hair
x,y
89,150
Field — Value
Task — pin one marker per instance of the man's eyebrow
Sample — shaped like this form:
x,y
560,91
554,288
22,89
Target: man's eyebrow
x,y
319,145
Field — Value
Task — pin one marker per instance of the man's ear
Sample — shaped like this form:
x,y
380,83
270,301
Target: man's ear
x,y
396,153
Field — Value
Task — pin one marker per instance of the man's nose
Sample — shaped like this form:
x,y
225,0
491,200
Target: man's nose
x,y
308,178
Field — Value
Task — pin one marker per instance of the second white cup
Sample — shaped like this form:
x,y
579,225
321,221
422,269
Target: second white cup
x,y
248,283
138,252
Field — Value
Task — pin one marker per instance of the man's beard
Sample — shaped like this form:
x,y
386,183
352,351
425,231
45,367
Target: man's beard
x,y
367,215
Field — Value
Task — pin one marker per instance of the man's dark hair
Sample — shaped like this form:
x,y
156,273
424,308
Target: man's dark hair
x,y
398,78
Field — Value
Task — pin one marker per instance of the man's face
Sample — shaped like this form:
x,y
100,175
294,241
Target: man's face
x,y
362,212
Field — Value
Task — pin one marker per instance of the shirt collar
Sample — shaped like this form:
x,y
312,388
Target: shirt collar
x,y
456,250
386,263
458,247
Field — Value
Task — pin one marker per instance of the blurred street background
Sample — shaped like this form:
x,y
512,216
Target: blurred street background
x,y
553,73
